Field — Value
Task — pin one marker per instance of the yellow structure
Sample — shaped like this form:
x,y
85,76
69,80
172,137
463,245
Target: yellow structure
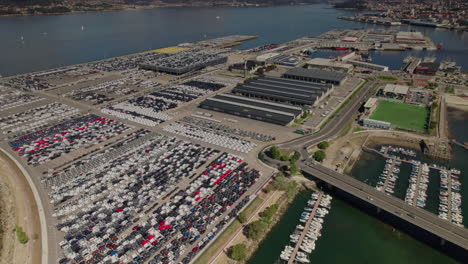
x,y
170,50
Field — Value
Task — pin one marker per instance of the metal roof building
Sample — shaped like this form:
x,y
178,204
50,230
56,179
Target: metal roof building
x,y
266,111
283,90
315,75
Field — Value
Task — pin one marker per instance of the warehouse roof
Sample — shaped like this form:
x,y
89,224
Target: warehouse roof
x,y
396,89
252,108
371,102
299,92
260,103
317,74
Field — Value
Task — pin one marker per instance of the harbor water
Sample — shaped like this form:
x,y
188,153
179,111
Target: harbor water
x,y
348,236
33,43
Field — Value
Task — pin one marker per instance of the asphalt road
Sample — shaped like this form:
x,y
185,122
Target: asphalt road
x,y
335,125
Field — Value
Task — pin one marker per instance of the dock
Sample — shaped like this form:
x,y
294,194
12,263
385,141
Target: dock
x,y
418,182
387,179
306,229
449,213
387,156
459,144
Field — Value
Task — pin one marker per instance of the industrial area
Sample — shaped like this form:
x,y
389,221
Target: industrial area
x,y
148,157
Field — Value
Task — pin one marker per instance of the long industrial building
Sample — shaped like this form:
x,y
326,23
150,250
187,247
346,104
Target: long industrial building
x,y
284,90
267,111
316,76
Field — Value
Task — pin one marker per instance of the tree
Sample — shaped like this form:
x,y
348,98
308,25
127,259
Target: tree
x,y
274,152
269,212
284,157
256,229
293,168
242,217
280,182
319,156
323,145
292,189
238,252
296,156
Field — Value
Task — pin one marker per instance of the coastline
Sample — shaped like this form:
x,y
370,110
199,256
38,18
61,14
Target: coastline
x,y
143,7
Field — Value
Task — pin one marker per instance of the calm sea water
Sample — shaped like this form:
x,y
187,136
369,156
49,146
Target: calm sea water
x,y
33,43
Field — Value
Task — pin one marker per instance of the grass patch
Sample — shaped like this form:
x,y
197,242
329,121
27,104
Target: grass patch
x,y
22,237
227,233
218,243
387,78
250,209
357,129
404,116
302,119
346,128
450,89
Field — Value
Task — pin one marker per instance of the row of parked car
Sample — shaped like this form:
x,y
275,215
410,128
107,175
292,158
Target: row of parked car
x,y
35,118
143,201
214,137
11,99
149,109
224,128
47,144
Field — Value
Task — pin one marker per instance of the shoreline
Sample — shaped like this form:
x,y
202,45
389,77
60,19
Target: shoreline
x,y
155,7
283,208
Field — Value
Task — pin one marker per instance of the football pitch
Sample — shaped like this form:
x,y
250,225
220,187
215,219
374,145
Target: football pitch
x,y
404,116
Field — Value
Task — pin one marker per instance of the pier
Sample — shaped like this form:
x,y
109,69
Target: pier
x,y
387,156
389,174
449,213
418,182
459,144
304,232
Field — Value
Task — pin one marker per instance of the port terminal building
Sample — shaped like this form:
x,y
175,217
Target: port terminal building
x,y
283,90
328,64
316,76
253,108
367,65
371,123
395,91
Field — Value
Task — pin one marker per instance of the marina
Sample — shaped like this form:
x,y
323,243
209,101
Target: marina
x,y
416,195
307,233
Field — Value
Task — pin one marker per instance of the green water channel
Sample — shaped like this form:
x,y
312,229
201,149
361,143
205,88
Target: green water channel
x,y
348,236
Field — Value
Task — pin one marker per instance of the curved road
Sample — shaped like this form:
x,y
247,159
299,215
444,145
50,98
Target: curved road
x,y
40,207
335,125
416,216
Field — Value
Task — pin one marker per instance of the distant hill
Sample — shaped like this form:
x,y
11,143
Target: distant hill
x,y
34,7
354,4
84,2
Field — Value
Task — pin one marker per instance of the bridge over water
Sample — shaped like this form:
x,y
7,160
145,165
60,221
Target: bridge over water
x,y
427,221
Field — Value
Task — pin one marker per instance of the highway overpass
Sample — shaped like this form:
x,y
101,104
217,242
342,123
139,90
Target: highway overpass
x,y
397,207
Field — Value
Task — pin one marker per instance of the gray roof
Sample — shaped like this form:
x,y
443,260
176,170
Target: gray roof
x,y
250,106
317,74
263,102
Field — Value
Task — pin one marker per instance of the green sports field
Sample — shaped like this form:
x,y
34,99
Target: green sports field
x,y
401,115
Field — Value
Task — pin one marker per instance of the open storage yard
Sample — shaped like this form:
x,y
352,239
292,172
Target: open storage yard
x,y
404,116
129,166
